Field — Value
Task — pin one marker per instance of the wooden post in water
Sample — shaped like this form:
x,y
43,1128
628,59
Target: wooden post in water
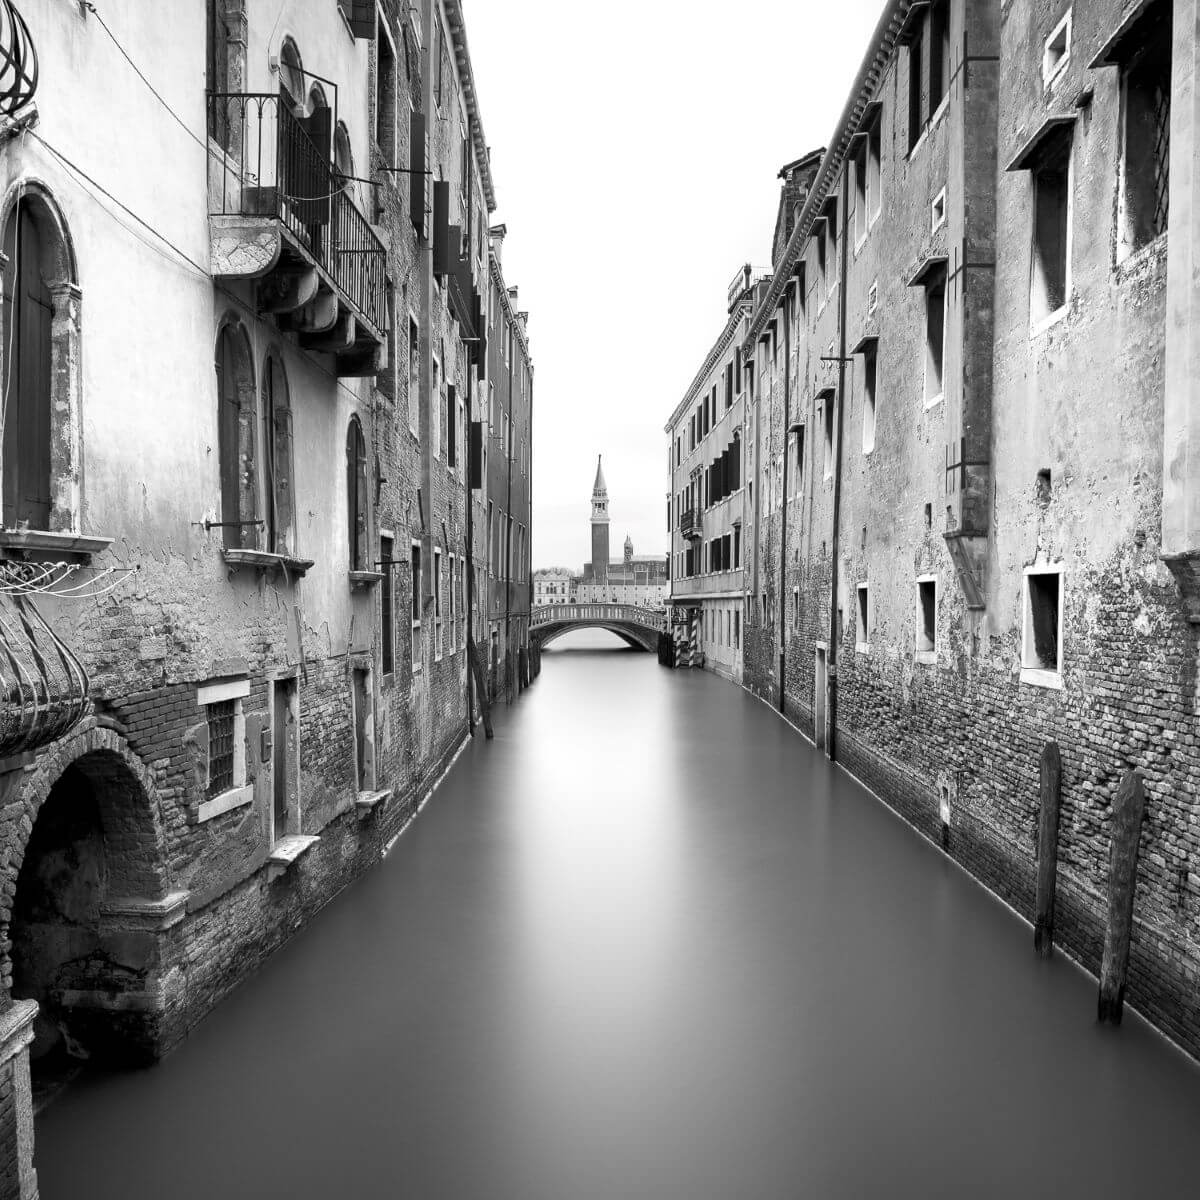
x,y
1128,810
485,704
1047,867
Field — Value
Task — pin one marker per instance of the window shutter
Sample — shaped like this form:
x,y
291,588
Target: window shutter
x,y
282,480
417,181
441,229
476,455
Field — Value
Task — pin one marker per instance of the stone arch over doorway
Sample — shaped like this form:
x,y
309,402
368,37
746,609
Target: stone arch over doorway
x,y
86,905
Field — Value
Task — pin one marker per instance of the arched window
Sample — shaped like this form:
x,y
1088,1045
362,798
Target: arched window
x,y
40,367
278,509
356,496
291,71
28,311
235,438
343,158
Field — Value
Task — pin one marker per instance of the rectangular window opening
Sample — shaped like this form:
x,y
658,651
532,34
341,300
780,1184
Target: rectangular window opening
x,y
1041,643
1051,232
935,338
926,619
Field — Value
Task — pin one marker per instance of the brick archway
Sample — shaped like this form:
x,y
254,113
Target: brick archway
x,y
135,849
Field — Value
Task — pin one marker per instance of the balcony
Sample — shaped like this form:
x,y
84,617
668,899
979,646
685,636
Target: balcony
x,y
690,524
280,213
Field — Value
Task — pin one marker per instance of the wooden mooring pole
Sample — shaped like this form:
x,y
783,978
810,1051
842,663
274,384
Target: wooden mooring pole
x,y
485,704
1128,811
1047,865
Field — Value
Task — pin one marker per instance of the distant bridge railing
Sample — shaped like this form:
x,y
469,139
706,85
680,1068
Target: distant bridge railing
x,y
632,614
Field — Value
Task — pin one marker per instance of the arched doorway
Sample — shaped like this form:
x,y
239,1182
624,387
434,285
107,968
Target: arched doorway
x,y
89,914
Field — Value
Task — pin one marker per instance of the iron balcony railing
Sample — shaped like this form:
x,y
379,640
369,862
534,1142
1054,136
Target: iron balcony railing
x,y
43,686
268,165
690,523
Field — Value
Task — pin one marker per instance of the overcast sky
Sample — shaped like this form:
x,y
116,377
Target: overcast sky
x,y
635,150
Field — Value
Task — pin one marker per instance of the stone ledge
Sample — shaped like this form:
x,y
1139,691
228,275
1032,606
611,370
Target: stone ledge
x,y
16,1028
365,579
226,802
38,543
261,560
367,802
287,852
151,915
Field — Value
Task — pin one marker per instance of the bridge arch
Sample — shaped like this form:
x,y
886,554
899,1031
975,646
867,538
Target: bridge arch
x,y
636,626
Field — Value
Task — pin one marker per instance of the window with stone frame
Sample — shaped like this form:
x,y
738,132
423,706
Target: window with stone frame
x,y
1145,63
437,602
357,509
385,96
414,375
42,447
927,639
1041,631
1050,277
387,605
415,607
236,421
935,336
278,505
929,65
225,779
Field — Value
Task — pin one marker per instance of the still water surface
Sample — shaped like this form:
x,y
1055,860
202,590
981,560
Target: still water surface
x,y
646,944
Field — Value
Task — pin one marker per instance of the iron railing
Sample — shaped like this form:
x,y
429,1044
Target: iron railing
x,y
265,164
43,686
651,618
690,523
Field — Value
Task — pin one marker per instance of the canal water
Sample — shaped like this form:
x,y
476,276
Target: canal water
x,y
646,944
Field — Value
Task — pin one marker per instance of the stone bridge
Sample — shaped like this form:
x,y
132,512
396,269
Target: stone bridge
x,y
639,627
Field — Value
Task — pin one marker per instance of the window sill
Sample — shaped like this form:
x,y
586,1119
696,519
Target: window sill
x,y
39,544
1048,322
287,852
1039,677
862,647
236,797
365,579
261,560
367,802
930,126
926,658
933,401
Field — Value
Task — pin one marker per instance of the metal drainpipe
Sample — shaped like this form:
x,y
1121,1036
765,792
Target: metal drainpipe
x,y
831,678
783,544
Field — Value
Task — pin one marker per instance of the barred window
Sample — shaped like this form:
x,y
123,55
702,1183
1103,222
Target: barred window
x,y
220,746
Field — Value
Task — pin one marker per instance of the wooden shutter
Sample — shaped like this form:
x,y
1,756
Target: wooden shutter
x,y
417,179
229,412
441,229
475,461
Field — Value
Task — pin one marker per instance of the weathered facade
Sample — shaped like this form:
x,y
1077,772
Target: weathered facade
x,y
969,526
506,438
255,578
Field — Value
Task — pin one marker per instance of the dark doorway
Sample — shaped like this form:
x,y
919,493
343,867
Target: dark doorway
x,y
283,754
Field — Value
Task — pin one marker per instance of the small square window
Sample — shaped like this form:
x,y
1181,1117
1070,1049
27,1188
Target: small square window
x,y
927,619
1057,52
1041,635
937,211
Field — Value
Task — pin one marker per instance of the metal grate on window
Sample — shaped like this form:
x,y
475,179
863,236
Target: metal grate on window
x,y
1162,152
220,747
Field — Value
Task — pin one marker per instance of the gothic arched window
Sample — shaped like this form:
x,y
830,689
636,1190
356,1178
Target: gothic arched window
x,y
356,496
235,437
278,509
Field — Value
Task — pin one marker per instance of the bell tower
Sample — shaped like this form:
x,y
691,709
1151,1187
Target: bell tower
x,y
599,526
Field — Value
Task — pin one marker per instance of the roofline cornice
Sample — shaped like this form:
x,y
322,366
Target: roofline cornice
x,y
506,303
462,56
878,56
710,361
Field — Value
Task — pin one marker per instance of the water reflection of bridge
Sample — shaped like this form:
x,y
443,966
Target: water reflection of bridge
x,y
639,627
